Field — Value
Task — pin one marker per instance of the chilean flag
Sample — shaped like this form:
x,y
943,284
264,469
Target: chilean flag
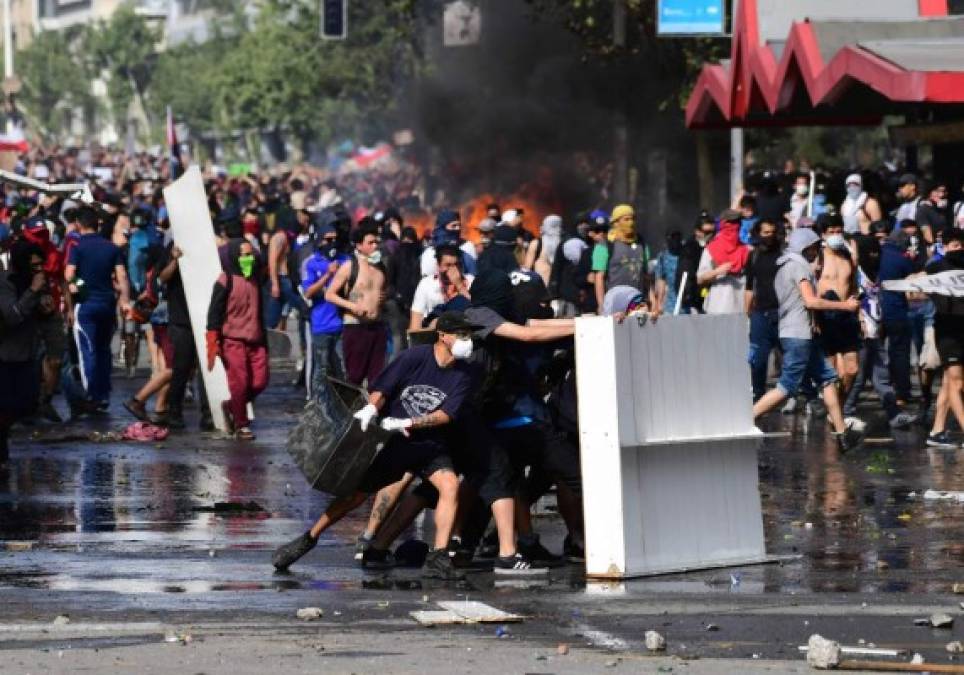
x,y
13,140
173,147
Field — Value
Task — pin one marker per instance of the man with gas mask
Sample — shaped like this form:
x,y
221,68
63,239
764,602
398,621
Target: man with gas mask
x,y
803,356
235,333
419,395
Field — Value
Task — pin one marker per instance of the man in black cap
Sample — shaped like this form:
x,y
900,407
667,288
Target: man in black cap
x,y
418,396
909,197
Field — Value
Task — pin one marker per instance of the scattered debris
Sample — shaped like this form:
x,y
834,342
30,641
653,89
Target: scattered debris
x,y
178,636
19,546
61,620
944,495
612,663
654,641
958,588
501,632
230,507
454,612
310,613
822,653
563,649
955,647
869,650
211,553
712,627
941,620
917,660
883,565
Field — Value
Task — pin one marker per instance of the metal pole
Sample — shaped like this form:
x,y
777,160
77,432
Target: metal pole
x,y
7,41
736,161
620,121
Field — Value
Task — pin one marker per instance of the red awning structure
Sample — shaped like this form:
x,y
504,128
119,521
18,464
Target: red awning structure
x,y
833,69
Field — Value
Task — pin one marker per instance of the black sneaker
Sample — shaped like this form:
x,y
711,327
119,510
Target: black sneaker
x,y
572,552
288,554
160,419
49,412
375,559
438,565
940,440
849,439
538,554
362,544
136,408
489,548
517,566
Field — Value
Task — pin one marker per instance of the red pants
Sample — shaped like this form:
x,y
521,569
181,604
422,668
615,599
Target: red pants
x,y
247,368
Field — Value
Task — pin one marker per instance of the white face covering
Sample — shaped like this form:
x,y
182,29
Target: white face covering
x,y
836,241
375,258
854,191
462,349
803,190
941,203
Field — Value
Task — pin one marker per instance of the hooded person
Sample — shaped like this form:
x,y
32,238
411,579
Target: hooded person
x,y
541,252
448,230
500,255
722,267
625,260
803,357
21,289
235,333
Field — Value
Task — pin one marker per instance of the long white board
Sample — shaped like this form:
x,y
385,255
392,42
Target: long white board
x,y
200,266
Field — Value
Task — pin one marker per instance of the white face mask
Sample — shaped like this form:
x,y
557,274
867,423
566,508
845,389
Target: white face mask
x,y
462,349
854,191
941,203
802,190
836,241
375,258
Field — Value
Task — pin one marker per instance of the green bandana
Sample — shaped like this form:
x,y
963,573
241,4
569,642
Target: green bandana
x,y
246,263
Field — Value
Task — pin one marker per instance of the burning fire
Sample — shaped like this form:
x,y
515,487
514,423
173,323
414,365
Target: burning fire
x,y
534,210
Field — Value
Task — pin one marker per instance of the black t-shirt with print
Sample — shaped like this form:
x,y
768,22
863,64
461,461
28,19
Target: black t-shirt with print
x,y
414,385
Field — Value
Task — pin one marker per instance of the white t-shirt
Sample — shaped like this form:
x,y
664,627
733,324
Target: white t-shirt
x,y
428,294
429,264
850,212
726,294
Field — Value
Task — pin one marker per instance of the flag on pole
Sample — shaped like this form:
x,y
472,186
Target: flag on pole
x,y
173,147
12,138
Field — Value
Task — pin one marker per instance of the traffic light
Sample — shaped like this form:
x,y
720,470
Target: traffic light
x,y
334,25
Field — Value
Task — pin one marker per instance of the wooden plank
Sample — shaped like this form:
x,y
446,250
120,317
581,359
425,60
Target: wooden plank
x,y
437,618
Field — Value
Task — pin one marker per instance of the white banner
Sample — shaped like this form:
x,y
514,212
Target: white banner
x,y
946,283
200,266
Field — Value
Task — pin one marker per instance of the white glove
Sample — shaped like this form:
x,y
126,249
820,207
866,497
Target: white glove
x,y
365,416
396,424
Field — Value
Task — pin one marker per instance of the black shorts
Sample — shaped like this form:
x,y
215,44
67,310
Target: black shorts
x,y
949,337
402,455
839,333
541,446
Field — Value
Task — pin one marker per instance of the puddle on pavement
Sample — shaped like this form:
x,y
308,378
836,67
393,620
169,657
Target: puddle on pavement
x,y
858,522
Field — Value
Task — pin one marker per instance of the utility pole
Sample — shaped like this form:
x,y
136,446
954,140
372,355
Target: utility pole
x,y
620,122
7,41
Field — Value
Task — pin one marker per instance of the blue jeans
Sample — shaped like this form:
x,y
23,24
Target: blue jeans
x,y
290,299
325,361
873,365
804,359
898,334
764,338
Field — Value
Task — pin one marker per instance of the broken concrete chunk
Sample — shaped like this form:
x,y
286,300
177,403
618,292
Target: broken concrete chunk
x,y
310,613
654,641
61,620
957,588
955,647
917,660
823,654
941,620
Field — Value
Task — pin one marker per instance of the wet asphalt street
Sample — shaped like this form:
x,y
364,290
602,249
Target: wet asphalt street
x,y
130,535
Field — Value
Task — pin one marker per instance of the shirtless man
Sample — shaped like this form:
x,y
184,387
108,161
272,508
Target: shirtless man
x,y
839,330
365,335
280,284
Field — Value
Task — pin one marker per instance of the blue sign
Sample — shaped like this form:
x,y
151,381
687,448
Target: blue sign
x,y
690,17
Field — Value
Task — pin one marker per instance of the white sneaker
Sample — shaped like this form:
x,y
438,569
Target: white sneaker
x,y
855,423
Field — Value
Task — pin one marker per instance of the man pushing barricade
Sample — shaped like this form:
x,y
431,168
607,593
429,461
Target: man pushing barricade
x,y
417,398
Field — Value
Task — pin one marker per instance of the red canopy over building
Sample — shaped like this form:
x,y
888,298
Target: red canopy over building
x,y
833,67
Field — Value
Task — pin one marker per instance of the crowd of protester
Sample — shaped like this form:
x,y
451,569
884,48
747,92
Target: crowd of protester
x,y
463,336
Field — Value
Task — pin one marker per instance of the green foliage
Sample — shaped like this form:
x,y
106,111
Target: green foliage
x,y
52,78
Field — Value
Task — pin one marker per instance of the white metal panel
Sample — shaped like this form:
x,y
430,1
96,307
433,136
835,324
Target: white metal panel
x,y
777,16
200,266
596,385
